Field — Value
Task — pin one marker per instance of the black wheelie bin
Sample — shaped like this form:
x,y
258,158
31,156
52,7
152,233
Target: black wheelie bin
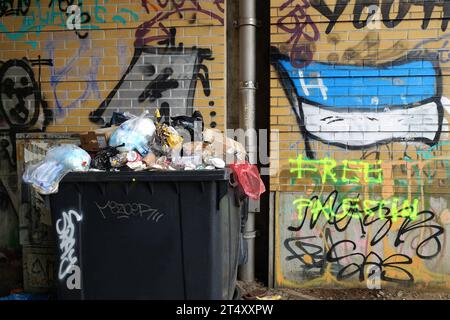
x,y
147,235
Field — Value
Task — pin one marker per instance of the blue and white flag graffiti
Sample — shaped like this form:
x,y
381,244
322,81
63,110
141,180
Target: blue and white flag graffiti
x,y
356,107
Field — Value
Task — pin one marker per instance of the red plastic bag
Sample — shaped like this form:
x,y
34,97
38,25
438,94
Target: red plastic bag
x,y
247,176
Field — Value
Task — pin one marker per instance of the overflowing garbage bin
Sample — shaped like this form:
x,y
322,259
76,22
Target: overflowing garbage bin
x,y
147,235
151,208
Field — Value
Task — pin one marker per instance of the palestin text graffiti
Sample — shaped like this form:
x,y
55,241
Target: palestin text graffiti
x,y
348,172
356,208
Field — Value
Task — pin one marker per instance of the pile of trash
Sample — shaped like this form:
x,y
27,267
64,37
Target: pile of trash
x,y
152,143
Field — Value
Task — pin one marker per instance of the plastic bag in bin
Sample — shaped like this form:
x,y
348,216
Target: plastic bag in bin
x,y
46,174
134,134
247,176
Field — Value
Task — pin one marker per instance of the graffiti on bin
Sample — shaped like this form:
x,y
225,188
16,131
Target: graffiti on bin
x,y
65,229
117,210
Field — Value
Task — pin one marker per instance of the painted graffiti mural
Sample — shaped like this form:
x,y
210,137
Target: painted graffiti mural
x,y
339,237
38,15
163,73
411,92
22,109
22,105
66,66
170,75
301,40
363,111
392,12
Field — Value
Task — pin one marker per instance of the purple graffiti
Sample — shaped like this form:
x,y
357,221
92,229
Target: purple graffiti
x,y
58,75
219,4
303,28
180,7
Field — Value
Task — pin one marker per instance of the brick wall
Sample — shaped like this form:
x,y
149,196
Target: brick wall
x,y
65,66
359,94
364,105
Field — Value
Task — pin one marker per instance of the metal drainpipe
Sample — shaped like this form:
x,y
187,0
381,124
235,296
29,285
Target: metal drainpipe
x,y
247,76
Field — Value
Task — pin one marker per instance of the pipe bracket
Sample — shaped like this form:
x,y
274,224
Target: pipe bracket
x,y
248,85
247,22
250,234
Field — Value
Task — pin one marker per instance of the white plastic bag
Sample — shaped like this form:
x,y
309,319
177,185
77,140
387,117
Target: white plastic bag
x,y
46,174
134,134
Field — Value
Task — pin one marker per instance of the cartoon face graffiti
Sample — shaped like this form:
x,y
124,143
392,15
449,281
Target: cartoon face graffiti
x,y
358,107
20,97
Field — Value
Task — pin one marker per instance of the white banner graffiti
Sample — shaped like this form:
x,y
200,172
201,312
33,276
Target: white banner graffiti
x,y
67,242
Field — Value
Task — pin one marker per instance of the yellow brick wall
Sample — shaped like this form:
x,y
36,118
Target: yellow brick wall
x,y
55,73
368,96
90,60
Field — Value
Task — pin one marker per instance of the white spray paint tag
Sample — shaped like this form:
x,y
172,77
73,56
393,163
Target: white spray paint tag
x,y
65,229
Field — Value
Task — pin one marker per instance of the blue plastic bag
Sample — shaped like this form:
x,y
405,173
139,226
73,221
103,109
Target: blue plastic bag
x,y
134,134
46,175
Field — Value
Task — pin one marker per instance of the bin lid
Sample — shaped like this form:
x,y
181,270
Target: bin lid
x,y
123,176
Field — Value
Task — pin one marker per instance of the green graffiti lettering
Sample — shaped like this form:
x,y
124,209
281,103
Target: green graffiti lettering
x,y
350,207
356,208
320,208
369,206
300,204
301,166
378,171
346,168
332,172
328,166
409,210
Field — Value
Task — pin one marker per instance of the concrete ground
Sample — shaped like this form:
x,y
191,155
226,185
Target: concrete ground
x,y
251,290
